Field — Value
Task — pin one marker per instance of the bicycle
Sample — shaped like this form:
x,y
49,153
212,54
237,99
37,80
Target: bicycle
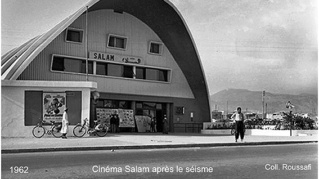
x,y
80,129
38,131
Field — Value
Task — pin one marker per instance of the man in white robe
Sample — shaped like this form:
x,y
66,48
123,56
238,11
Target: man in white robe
x,y
65,123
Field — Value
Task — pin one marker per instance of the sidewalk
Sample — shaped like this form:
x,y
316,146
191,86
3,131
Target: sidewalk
x,y
140,141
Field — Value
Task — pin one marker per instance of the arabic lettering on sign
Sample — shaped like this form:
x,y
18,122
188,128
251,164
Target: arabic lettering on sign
x,y
131,60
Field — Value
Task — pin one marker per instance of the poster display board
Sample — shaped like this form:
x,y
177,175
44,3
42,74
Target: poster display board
x,y
125,115
126,118
143,123
53,106
103,114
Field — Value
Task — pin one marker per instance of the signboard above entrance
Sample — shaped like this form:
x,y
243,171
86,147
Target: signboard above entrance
x,y
115,58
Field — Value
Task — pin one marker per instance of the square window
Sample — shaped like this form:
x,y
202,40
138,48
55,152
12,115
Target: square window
x,y
115,70
155,48
101,68
151,74
140,73
58,64
117,42
179,110
128,72
74,35
90,67
162,75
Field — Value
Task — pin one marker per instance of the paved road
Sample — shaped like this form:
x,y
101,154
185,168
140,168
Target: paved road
x,y
277,161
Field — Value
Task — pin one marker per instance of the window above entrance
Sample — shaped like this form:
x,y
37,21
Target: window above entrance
x,y
118,42
100,68
73,65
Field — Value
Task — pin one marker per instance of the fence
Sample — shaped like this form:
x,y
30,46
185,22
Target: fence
x,y
188,127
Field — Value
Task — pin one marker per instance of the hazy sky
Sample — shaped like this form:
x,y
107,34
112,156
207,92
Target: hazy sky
x,y
250,44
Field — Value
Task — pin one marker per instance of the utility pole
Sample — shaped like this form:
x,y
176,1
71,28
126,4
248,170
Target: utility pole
x,y
266,110
290,107
86,44
262,97
227,109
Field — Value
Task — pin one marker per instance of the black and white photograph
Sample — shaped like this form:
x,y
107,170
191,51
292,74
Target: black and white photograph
x,y
185,89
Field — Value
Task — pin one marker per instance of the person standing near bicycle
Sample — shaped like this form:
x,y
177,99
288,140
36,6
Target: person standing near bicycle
x,y
65,123
239,118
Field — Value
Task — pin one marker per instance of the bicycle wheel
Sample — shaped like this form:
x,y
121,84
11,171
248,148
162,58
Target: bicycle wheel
x,y
79,131
102,131
232,131
56,132
38,131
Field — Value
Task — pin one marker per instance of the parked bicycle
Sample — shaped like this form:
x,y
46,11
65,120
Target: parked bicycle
x,y
100,129
39,130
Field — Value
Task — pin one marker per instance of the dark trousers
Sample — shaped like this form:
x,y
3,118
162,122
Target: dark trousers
x,y
239,129
113,128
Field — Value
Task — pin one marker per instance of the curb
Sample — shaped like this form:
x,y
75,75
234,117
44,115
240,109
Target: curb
x,y
136,147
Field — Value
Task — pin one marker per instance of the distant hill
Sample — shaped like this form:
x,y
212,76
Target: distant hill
x,y
252,101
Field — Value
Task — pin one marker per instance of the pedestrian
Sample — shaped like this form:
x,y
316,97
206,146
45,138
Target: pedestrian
x,y
112,122
65,123
117,123
153,124
165,125
238,117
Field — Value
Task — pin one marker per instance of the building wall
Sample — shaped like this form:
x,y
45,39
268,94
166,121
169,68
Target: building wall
x,y
12,113
176,92
101,23
13,107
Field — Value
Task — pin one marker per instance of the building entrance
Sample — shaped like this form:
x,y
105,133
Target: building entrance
x,y
136,116
154,110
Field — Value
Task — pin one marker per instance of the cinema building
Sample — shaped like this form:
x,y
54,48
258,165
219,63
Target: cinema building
x,y
136,58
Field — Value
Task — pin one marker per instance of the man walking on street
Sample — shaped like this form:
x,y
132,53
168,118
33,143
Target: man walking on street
x,y
65,123
238,117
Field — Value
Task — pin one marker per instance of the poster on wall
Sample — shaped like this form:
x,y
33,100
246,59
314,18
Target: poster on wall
x,y
143,123
126,118
103,114
53,106
125,115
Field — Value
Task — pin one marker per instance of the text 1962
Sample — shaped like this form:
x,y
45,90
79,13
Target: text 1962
x,y
19,169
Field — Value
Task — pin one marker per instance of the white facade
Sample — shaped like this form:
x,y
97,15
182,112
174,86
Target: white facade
x,y
13,104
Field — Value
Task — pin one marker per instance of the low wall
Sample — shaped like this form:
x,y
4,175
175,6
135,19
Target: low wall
x,y
259,132
216,132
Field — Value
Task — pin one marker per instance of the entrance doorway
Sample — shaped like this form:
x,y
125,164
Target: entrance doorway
x,y
154,110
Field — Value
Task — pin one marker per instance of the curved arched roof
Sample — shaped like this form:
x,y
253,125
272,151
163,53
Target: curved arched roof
x,y
160,15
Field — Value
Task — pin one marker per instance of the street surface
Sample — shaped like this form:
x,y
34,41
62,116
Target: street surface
x,y
276,161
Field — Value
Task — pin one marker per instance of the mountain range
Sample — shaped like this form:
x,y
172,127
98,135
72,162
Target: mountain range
x,y
251,101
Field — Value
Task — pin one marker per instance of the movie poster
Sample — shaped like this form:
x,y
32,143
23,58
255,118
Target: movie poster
x,y
126,118
53,106
103,114
125,115
143,123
